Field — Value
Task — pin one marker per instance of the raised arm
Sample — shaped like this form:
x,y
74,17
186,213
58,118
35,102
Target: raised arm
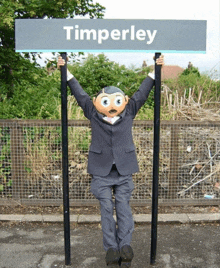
x,y
141,95
81,96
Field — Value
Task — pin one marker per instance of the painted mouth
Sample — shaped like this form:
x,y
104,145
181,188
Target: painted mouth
x,y
113,111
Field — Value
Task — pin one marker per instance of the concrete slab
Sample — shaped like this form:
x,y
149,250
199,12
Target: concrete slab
x,y
174,218
52,218
204,217
25,245
140,218
7,217
89,218
33,218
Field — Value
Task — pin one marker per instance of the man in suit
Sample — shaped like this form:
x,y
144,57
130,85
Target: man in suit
x,y
112,159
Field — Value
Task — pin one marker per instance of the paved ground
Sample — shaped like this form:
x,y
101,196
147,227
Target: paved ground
x,y
30,244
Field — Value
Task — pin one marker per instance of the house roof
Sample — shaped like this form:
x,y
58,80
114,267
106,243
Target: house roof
x,y
170,71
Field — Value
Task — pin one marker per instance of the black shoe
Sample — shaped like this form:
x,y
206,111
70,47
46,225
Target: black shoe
x,y
126,254
112,257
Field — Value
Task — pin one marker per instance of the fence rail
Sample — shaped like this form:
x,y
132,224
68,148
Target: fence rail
x,y
31,162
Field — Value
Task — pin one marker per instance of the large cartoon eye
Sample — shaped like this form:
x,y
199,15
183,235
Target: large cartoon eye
x,y
105,102
118,101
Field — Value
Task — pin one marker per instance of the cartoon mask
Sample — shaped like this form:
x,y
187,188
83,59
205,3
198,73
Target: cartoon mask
x,y
111,101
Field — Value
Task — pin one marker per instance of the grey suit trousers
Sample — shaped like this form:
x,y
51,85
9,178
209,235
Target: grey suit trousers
x,y
122,187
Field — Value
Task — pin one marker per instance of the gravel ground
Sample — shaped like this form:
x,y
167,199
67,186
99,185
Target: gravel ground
x,y
96,209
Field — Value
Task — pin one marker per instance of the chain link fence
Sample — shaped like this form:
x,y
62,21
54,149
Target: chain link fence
x,y
31,163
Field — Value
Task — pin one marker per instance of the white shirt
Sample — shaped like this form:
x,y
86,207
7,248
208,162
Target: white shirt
x,y
111,120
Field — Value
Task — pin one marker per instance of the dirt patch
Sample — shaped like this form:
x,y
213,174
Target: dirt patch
x,y
90,210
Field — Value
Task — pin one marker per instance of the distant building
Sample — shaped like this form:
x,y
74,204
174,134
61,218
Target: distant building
x,y
170,71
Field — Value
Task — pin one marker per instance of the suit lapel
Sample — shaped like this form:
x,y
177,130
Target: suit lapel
x,y
122,115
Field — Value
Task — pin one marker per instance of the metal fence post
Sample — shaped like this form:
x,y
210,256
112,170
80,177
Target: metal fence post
x,y
174,161
17,160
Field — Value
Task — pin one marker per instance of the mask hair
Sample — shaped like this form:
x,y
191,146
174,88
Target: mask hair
x,y
110,90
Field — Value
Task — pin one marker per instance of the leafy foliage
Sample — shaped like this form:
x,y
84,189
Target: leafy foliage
x,y
191,78
191,70
16,66
39,98
97,72
30,99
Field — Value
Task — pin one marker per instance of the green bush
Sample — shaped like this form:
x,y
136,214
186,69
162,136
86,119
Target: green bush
x,y
33,101
192,70
97,72
198,83
36,95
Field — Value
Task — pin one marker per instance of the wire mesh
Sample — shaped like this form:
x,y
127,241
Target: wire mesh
x,y
31,162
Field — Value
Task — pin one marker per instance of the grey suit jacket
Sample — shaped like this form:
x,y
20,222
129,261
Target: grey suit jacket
x,y
112,142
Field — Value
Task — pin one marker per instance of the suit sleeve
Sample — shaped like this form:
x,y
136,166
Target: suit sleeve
x,y
140,96
82,98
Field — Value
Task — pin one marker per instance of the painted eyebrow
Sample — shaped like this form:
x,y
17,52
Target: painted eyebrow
x,y
111,94
104,96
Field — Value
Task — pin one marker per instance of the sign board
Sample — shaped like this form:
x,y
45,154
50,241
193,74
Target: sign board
x,y
106,35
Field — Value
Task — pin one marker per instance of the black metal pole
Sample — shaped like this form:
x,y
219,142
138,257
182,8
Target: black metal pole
x,y
65,160
155,160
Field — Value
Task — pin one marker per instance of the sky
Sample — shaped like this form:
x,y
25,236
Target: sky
x,y
170,10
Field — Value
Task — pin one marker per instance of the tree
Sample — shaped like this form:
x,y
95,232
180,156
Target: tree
x,y
42,100
97,72
11,63
191,70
